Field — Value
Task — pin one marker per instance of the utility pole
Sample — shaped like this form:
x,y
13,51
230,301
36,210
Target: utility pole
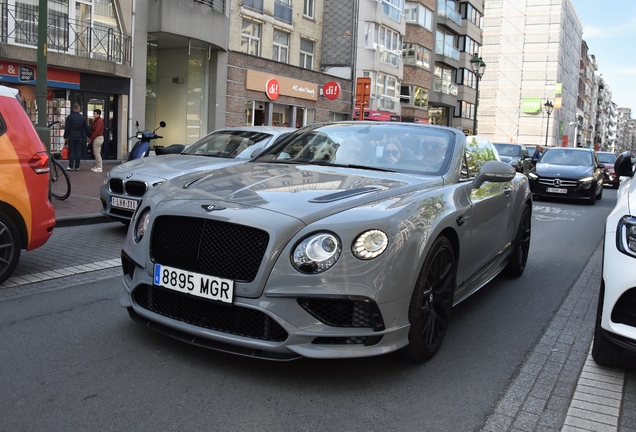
x,y
40,89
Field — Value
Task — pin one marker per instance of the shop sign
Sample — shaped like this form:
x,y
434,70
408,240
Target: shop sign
x,y
27,73
286,86
331,90
272,89
531,105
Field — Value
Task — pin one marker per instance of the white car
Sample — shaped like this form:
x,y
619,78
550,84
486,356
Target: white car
x,y
615,332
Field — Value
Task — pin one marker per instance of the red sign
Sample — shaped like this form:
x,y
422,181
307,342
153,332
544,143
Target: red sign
x,y
272,89
564,140
331,90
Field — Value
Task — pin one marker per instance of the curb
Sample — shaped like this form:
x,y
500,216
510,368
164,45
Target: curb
x,y
87,219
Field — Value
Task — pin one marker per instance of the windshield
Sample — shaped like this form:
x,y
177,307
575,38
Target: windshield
x,y
608,158
508,150
567,157
390,147
230,144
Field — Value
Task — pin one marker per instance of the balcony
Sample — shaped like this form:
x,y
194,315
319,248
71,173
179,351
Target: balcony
x,y
283,11
218,5
256,5
19,26
447,50
446,11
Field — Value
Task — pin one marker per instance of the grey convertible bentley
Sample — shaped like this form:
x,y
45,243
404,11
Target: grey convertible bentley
x,y
344,240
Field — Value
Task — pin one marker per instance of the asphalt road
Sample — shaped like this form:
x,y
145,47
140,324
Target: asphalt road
x,y
73,360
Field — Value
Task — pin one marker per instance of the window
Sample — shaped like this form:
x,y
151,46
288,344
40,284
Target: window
x,y
442,81
467,44
470,13
415,13
465,110
417,55
308,9
306,54
393,8
478,151
251,38
465,77
414,96
385,88
281,46
445,45
387,41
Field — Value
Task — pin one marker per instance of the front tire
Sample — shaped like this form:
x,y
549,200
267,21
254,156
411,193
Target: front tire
x,y
600,196
10,247
431,302
604,351
517,263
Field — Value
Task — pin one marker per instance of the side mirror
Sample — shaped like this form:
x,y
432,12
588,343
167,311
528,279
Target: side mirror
x,y
602,166
137,124
162,124
623,165
494,171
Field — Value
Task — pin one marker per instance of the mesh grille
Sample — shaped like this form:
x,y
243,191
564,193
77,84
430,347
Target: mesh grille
x,y
625,309
135,188
204,313
339,312
116,186
340,340
209,247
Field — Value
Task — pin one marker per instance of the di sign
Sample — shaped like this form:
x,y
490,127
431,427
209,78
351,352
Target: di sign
x,y
331,90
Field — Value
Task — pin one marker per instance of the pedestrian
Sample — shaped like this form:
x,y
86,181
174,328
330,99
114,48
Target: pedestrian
x,y
538,152
76,132
97,138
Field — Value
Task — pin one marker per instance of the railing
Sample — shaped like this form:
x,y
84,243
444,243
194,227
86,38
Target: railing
x,y
217,5
447,50
282,11
444,10
254,4
19,26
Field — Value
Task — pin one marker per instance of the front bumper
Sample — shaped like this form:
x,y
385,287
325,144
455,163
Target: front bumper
x,y
580,191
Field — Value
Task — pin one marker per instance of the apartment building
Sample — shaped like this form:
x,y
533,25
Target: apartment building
x,y
604,137
532,51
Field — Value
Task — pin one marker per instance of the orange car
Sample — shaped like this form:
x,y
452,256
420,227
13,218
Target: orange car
x,y
27,216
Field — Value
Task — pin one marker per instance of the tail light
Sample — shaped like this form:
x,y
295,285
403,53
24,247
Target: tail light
x,y
40,163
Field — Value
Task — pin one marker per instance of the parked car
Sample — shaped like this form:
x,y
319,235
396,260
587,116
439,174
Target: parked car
x,y
27,217
126,184
516,155
338,242
608,159
615,330
568,172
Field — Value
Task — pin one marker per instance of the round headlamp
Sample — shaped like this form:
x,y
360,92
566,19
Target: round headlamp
x,y
316,253
370,244
141,225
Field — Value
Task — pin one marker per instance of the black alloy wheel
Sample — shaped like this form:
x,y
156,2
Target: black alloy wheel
x,y
521,246
431,303
10,247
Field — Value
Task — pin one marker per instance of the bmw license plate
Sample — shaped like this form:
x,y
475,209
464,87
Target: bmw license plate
x,y
557,190
200,285
124,203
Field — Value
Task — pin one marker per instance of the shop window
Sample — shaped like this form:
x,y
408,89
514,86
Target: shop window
x,y
281,46
251,38
306,54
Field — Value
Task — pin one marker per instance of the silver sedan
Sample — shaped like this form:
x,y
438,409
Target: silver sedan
x,y
345,240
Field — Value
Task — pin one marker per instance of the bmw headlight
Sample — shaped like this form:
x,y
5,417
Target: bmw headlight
x,y
370,244
533,176
626,235
586,180
141,225
317,253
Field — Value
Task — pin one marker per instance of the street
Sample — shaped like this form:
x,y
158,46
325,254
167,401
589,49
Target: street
x,y
73,359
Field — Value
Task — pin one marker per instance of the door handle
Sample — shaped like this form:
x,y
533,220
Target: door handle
x,y
507,191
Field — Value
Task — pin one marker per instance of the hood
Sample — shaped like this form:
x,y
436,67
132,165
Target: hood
x,y
563,171
306,192
171,165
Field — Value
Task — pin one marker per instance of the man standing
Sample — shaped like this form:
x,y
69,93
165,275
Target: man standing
x,y
76,131
97,138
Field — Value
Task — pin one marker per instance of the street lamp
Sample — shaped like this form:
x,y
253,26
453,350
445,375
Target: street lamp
x,y
590,129
548,109
478,66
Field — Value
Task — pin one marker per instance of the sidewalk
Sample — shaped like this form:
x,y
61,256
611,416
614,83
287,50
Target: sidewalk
x,y
558,388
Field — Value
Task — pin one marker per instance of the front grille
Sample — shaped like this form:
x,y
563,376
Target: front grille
x,y
625,309
135,188
344,312
214,248
200,312
340,340
116,186
552,182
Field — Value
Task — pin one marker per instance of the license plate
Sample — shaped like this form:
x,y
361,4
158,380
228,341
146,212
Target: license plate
x,y
200,285
123,203
557,190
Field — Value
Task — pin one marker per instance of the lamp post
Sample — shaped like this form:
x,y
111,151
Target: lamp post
x,y
478,66
548,109
590,129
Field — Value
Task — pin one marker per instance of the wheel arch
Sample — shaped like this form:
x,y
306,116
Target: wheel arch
x,y
18,220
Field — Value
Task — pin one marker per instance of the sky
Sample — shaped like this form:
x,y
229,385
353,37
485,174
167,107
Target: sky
x,y
609,28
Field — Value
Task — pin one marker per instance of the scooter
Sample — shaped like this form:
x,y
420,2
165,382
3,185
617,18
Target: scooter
x,y
142,147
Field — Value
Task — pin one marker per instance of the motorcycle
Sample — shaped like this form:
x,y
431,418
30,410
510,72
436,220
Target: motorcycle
x,y
142,146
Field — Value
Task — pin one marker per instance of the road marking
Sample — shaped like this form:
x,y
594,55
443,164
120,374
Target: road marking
x,y
59,273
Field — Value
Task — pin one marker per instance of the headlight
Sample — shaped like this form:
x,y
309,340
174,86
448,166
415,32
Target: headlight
x,y
533,176
587,180
139,135
626,235
141,225
317,253
370,244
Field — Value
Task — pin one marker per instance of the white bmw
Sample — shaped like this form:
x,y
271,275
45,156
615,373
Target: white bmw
x,y
615,333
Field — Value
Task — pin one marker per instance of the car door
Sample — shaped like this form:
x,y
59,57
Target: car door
x,y
491,205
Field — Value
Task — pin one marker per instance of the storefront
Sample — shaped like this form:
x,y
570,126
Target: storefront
x,y
64,88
